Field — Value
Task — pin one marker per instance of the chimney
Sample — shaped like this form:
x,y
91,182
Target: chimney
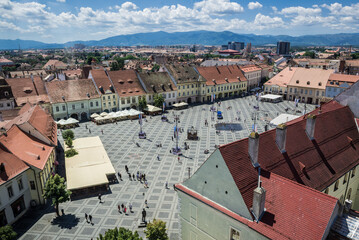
x,y
253,147
310,125
1,117
259,198
281,136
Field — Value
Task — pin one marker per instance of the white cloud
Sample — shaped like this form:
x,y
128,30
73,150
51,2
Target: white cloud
x,y
300,11
218,7
254,5
338,9
129,6
262,22
61,1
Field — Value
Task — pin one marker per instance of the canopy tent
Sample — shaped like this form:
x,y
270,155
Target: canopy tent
x,y
103,114
151,108
90,167
271,98
71,121
67,123
282,118
180,105
94,115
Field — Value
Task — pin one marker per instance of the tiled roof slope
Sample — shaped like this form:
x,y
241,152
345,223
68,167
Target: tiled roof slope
x,y
233,74
72,90
326,158
282,79
26,147
102,81
183,73
293,211
157,82
126,83
13,165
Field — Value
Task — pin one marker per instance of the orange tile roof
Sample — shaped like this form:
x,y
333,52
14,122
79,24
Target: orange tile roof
x,y
102,81
343,78
126,83
250,68
13,165
282,78
218,75
310,78
26,147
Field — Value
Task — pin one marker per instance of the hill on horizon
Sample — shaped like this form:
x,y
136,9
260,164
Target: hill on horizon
x,y
193,37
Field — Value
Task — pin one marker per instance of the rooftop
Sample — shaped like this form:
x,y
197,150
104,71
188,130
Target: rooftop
x,y
222,74
126,83
310,78
183,73
102,81
157,82
13,165
282,78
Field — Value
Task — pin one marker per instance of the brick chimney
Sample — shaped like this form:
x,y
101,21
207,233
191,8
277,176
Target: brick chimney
x,y
259,198
281,137
310,126
253,148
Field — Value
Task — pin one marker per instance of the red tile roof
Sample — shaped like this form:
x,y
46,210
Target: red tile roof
x,y
13,165
126,83
326,158
102,81
26,147
293,211
219,74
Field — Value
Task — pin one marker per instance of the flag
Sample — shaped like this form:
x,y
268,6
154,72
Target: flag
x,y
140,117
175,132
163,107
212,98
254,127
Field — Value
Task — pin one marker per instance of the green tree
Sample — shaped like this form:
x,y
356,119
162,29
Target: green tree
x,y
310,54
142,103
115,66
70,153
55,190
7,233
119,234
68,134
69,142
155,68
156,230
158,100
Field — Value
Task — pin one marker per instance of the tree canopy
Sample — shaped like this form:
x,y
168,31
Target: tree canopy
x,y
55,190
156,230
119,234
142,103
7,233
68,134
158,100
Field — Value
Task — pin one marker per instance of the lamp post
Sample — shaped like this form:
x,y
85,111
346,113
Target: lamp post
x,y
176,150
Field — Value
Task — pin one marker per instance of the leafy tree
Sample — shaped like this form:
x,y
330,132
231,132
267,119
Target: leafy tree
x,y
115,66
55,190
119,234
68,134
156,230
309,54
9,69
158,100
155,68
70,153
142,103
7,233
69,142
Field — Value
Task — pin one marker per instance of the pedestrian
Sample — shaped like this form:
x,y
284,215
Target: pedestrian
x,y
146,184
99,197
133,177
86,126
126,168
158,157
122,206
90,218
102,132
130,207
144,177
119,208
146,205
172,138
124,210
86,216
144,215
138,175
174,187
129,176
166,185
89,130
119,176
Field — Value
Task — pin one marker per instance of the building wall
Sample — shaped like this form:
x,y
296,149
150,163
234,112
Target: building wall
x,y
201,222
169,97
6,201
305,93
65,110
6,104
192,90
254,78
226,90
275,89
109,102
128,102
332,91
346,187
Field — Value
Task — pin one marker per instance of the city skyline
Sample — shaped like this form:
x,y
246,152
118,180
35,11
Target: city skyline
x,y
68,20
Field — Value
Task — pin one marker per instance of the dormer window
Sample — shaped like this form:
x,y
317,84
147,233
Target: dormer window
x,y
320,84
297,82
6,93
308,83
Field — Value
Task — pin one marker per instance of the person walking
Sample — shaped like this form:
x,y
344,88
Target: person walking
x,y
126,168
124,210
119,208
133,177
119,176
102,132
122,206
129,176
144,215
89,130
166,185
99,197
90,218
86,216
158,157
130,207
146,205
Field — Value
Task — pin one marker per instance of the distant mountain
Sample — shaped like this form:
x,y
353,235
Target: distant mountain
x,y
195,37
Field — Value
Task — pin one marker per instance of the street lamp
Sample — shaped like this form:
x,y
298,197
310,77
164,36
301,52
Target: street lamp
x,y
177,149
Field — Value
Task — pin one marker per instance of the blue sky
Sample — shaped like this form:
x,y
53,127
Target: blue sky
x,y
67,20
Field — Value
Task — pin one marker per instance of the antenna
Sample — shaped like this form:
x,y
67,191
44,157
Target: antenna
x,y
259,176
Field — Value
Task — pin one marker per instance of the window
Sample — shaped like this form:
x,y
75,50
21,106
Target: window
x,y
326,191
104,98
353,172
179,94
114,103
345,178
57,109
82,105
63,108
290,90
301,91
295,90
8,104
108,97
128,100
173,95
336,185
187,86
10,192
133,99
91,104
235,234
73,106
32,185
1,105
109,104
323,94
306,91
310,92
19,183
104,104
113,96
349,193
6,93
96,104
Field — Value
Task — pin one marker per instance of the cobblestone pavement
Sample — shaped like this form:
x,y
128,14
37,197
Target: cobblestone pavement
x,y
120,143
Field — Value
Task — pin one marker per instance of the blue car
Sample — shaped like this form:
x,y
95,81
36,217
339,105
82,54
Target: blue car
x,y
219,115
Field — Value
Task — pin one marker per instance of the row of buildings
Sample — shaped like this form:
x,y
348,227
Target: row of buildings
x,y
27,160
108,91
309,85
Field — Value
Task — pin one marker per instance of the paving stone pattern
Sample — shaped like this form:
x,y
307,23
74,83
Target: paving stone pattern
x,y
120,143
